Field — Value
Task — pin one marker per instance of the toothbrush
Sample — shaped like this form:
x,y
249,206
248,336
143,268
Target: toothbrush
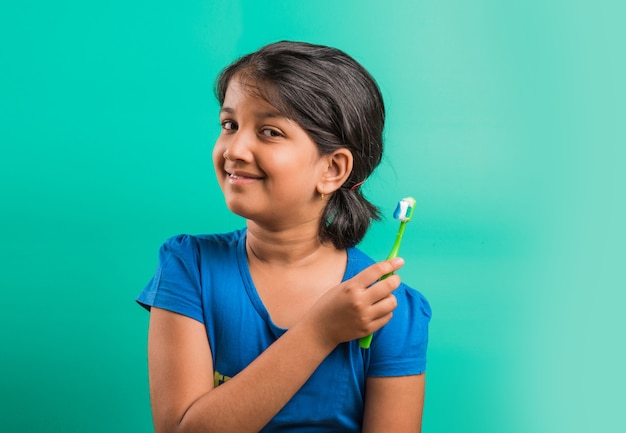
x,y
404,213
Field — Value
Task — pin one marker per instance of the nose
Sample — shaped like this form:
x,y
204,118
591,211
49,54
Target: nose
x,y
238,147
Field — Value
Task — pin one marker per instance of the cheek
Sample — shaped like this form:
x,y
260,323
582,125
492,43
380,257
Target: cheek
x,y
217,155
298,178
291,173
294,162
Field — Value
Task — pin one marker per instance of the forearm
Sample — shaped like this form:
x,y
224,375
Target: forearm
x,y
253,397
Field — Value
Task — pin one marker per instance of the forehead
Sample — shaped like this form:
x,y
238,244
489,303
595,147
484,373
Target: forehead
x,y
261,89
240,90
241,96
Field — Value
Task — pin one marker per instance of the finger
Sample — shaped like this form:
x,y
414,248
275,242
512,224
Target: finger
x,y
384,306
373,273
383,313
383,288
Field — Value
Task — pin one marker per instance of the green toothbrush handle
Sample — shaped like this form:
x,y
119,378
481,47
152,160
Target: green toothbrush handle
x,y
365,342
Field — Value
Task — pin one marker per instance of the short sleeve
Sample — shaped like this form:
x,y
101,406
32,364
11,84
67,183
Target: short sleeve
x,y
399,347
175,285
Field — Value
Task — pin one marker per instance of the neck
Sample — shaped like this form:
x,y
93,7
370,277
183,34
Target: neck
x,y
286,248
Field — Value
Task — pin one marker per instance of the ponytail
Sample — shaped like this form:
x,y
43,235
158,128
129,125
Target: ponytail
x,y
346,218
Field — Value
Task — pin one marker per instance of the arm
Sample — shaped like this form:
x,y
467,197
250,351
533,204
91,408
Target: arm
x,y
181,371
394,404
181,378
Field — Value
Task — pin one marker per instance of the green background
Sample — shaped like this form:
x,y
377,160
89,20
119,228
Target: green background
x,y
506,123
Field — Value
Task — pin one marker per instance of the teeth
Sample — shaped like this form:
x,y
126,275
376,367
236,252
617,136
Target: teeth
x,y
234,176
246,175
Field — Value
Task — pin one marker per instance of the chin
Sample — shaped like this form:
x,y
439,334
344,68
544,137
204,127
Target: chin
x,y
240,207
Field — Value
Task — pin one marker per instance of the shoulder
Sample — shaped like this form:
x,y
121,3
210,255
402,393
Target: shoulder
x,y
186,257
185,262
187,244
410,297
398,348
357,261
358,256
413,300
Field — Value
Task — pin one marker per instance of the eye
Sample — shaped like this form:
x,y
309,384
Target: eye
x,y
270,132
228,125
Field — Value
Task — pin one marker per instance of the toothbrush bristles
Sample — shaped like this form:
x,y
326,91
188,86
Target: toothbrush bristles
x,y
404,210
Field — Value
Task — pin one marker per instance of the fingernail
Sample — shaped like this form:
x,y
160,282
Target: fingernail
x,y
398,261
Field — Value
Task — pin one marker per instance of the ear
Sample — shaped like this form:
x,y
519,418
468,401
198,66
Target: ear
x,y
336,169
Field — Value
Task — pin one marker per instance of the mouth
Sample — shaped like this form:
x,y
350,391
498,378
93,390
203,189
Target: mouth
x,y
241,178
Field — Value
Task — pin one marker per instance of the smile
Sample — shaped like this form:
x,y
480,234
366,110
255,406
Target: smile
x,y
241,179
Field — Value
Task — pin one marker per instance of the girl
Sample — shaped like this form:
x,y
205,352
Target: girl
x,y
257,330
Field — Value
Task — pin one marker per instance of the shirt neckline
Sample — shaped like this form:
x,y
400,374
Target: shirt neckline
x,y
255,299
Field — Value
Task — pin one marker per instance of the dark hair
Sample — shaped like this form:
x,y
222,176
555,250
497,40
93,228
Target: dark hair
x,y
338,103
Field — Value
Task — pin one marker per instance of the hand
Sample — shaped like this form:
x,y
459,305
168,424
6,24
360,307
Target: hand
x,y
359,306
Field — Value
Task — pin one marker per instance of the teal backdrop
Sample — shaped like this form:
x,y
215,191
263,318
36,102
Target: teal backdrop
x,y
506,123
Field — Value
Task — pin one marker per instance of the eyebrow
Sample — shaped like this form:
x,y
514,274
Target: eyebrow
x,y
257,114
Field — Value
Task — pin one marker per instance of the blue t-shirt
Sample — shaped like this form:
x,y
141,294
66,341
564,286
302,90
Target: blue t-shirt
x,y
207,278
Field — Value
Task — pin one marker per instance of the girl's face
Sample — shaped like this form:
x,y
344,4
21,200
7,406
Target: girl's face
x,y
267,165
